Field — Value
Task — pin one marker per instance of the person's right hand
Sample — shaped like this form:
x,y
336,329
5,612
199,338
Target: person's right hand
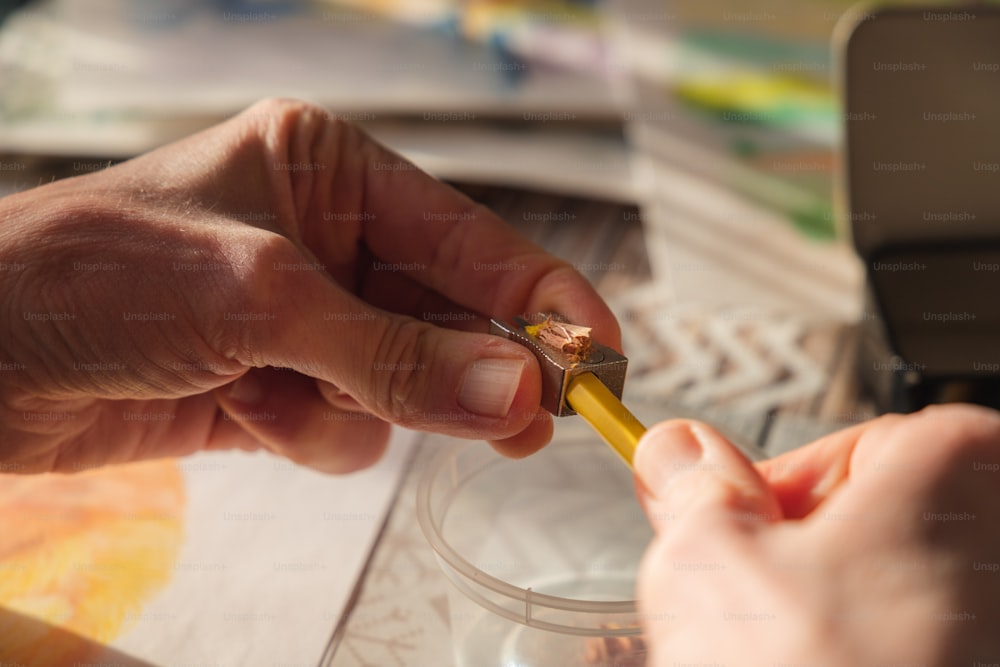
x,y
877,545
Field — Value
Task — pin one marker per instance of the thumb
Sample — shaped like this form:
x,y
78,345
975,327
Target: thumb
x,y
422,376
401,369
684,467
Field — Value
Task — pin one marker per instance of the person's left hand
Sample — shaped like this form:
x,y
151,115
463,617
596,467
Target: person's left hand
x,y
276,281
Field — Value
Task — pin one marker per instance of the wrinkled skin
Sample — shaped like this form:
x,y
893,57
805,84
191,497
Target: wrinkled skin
x,y
283,249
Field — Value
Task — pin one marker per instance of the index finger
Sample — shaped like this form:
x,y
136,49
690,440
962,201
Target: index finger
x,y
802,478
464,251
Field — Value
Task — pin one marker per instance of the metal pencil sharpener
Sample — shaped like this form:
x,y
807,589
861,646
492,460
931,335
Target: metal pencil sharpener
x,y
558,367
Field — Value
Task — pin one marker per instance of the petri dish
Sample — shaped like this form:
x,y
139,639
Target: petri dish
x,y
541,554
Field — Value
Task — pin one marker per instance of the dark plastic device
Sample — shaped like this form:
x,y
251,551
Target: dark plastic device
x,y
921,88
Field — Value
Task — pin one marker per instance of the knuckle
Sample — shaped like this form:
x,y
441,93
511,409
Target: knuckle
x,y
232,342
251,298
302,146
279,112
400,368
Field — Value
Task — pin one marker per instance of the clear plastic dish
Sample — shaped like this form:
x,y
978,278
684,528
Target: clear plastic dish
x,y
541,554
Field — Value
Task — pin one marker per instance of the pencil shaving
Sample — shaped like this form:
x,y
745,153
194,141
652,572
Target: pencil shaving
x,y
617,651
570,339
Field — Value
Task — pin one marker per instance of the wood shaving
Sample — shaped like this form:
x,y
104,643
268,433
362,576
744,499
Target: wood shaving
x,y
570,339
617,651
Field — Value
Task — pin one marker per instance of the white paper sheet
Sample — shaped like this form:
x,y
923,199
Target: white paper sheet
x,y
271,554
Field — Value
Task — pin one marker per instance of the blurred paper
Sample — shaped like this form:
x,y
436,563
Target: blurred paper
x,y
560,156
108,64
735,128
223,558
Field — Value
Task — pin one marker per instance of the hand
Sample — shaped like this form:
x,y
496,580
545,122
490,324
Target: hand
x,y
277,281
877,545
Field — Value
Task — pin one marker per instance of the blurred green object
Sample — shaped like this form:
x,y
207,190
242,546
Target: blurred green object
x,y
817,223
750,97
765,107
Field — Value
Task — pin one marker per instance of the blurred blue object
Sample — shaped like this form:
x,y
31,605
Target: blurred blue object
x,y
512,68
274,7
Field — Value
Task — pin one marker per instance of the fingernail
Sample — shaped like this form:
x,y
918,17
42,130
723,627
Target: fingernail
x,y
489,386
665,452
246,390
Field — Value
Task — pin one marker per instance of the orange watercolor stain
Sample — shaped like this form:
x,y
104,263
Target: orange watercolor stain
x,y
82,553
